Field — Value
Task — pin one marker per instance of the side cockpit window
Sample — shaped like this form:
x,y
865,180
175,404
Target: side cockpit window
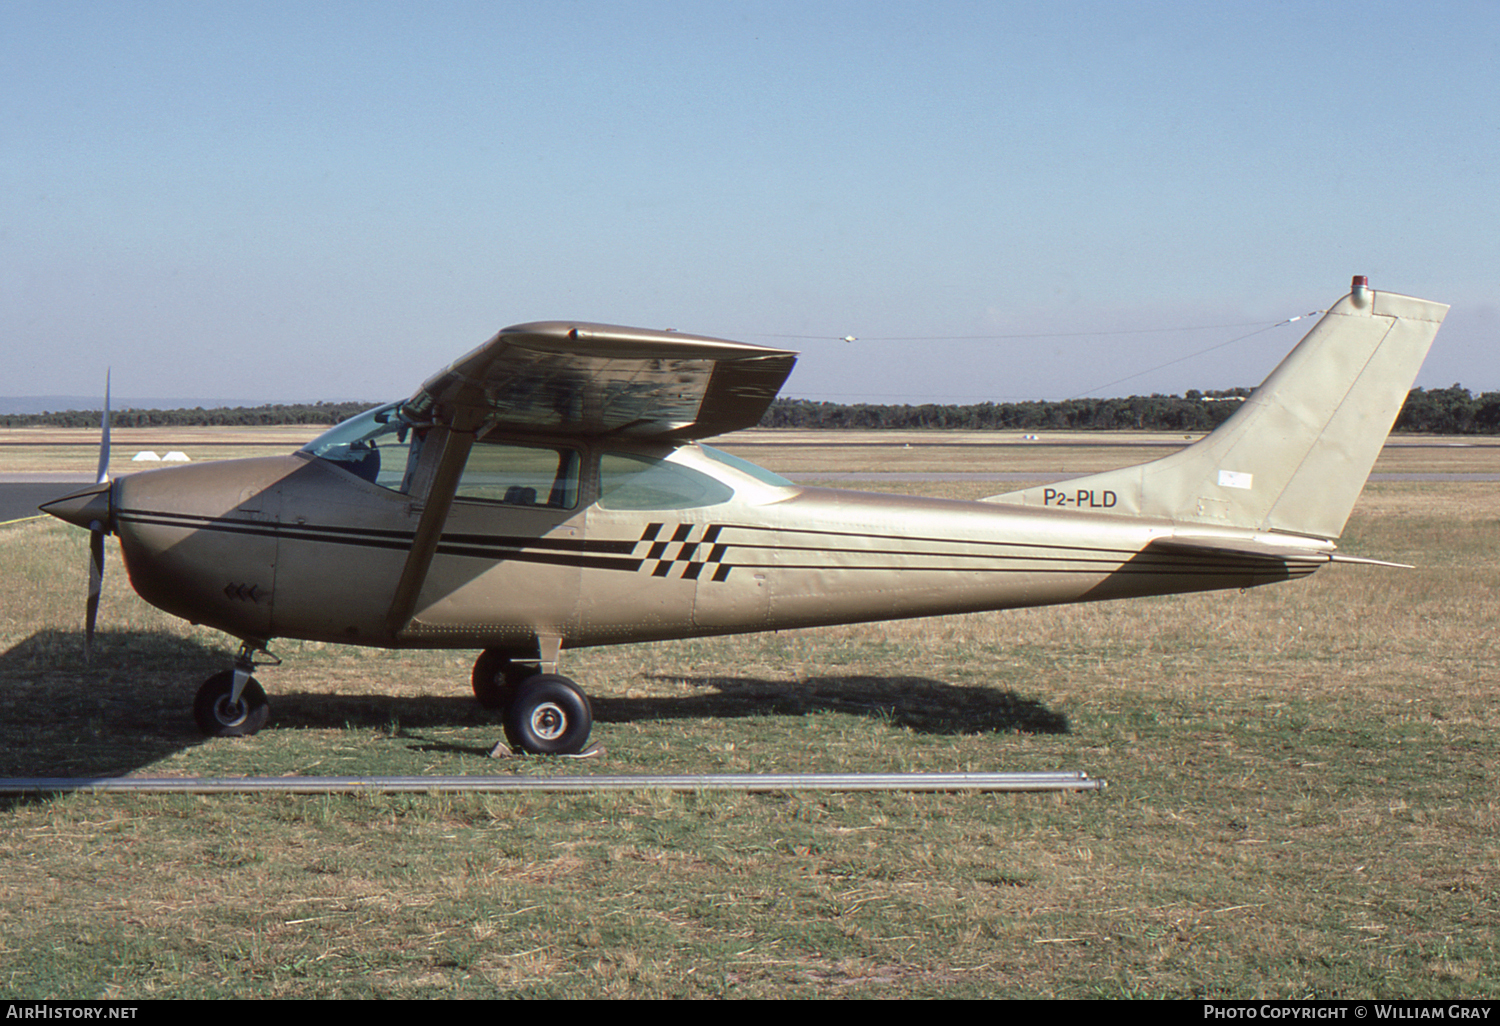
x,y
378,445
520,475
628,481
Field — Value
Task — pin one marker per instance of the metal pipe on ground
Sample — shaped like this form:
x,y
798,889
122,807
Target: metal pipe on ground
x,y
751,782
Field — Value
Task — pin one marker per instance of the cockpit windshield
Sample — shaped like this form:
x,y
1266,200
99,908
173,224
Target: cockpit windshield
x,y
379,445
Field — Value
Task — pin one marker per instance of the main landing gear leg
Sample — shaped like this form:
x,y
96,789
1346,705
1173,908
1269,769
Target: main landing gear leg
x,y
232,703
544,713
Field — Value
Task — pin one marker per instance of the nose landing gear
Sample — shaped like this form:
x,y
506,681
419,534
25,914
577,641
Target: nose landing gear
x,y
232,703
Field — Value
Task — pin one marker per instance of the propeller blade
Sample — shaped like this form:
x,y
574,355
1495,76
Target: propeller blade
x,y
96,585
96,534
103,473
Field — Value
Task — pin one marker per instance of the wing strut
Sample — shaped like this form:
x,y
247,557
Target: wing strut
x,y
456,445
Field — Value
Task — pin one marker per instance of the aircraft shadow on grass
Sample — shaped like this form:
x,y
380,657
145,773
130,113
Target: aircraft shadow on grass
x,y
921,704
131,707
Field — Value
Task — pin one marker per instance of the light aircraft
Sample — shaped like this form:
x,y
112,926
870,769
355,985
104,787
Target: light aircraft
x,y
549,491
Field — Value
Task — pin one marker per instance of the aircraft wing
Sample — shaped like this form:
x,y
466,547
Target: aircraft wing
x,y
561,377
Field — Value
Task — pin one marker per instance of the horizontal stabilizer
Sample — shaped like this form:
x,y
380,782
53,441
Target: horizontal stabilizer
x,y
1262,547
1267,546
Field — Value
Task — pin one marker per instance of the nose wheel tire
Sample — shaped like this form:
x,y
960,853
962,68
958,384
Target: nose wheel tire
x,y
218,717
549,715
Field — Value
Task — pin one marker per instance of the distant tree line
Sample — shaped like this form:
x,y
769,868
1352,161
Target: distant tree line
x,y
1437,411
1450,411
1196,411
1441,411
222,416
1445,411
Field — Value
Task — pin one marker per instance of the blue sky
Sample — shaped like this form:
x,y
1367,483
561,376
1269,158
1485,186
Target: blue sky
x,y
328,200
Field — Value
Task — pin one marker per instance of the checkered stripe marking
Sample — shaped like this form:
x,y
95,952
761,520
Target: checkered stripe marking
x,y
682,548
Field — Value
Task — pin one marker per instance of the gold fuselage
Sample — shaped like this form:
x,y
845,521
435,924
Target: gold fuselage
x,y
297,547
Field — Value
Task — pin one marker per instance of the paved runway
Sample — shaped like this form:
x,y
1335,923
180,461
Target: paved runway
x,y
20,494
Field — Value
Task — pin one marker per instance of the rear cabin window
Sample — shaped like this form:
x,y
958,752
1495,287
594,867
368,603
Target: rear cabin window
x,y
520,475
627,481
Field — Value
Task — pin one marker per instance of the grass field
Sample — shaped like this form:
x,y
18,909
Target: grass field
x,y
1302,801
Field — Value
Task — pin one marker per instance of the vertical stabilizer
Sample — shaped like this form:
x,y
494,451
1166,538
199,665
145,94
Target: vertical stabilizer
x,y
1296,454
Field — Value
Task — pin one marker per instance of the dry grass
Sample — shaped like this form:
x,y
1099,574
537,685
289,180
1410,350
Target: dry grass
x,y
1302,801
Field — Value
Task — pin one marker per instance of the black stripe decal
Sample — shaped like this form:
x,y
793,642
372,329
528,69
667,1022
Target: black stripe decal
x,y
606,554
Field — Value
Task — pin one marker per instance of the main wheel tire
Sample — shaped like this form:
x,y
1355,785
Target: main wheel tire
x,y
549,715
489,678
216,717
496,678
